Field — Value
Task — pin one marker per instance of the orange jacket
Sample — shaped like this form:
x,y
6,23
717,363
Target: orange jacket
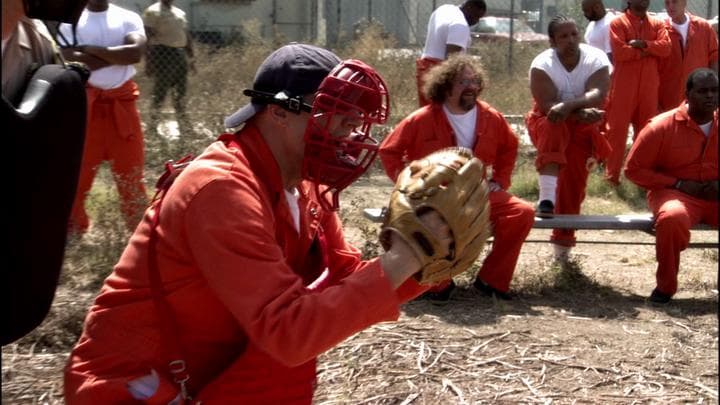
x,y
238,278
700,50
428,129
635,68
673,147
628,26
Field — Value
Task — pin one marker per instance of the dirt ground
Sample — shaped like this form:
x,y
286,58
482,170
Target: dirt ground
x,y
579,333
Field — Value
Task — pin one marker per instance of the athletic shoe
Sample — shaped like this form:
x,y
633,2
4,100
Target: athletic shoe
x,y
545,209
440,297
488,290
659,297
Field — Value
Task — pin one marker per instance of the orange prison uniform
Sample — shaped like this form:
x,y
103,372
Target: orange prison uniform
x,y
422,65
569,144
237,276
634,83
700,50
673,147
113,134
427,130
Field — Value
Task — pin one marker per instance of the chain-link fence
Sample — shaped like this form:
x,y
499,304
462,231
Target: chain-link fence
x,y
331,22
232,37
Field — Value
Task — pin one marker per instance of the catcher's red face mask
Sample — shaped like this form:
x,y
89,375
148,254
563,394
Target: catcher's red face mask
x,y
338,144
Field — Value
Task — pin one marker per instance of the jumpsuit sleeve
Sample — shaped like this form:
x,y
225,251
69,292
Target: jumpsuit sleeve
x,y
394,149
660,46
234,245
622,52
642,160
506,154
347,258
712,41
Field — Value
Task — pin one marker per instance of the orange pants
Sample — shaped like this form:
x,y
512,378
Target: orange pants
x,y
113,134
627,106
422,65
511,218
675,213
568,144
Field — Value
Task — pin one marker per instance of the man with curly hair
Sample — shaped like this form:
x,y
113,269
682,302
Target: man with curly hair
x,y
456,117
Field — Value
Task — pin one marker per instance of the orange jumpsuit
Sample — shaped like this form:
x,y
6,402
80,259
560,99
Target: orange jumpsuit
x,y
422,65
254,300
114,134
427,130
633,96
569,144
673,147
700,50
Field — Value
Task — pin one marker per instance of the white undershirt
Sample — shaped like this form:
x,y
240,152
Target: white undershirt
x,y
706,128
107,28
292,197
683,29
447,26
464,126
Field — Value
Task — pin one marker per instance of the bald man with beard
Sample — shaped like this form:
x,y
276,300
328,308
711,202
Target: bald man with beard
x,y
597,33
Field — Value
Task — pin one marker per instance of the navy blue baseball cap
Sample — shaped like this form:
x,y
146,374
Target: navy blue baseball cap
x,y
284,78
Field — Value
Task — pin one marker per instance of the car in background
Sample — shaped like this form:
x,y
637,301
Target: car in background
x,y
497,29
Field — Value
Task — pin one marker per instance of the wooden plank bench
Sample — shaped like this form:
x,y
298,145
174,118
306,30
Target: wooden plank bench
x,y
638,222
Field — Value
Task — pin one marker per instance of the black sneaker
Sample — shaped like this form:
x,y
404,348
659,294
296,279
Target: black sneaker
x,y
659,297
440,297
545,209
487,290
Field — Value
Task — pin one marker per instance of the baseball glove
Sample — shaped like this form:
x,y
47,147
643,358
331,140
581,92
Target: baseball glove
x,y
452,182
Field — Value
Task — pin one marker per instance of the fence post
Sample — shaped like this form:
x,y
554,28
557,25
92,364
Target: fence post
x,y
709,9
512,34
339,21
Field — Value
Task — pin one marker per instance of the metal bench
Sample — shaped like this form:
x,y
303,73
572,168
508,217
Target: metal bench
x,y
639,222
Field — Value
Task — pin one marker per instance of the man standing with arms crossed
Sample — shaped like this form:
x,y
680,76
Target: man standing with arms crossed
x,y
693,45
448,32
638,41
675,158
169,57
110,40
569,84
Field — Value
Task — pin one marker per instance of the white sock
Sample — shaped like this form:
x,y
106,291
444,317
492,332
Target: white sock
x,y
548,185
561,252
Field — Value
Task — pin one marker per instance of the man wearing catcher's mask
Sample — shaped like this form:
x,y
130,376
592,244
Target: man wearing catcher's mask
x,y
456,117
238,277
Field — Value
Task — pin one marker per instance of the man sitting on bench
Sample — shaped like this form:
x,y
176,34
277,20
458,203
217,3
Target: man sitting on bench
x,y
675,158
569,83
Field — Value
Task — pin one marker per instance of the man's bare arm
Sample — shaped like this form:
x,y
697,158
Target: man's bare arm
x,y
129,53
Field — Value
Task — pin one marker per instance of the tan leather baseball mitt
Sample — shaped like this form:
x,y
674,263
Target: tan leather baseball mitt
x,y
452,182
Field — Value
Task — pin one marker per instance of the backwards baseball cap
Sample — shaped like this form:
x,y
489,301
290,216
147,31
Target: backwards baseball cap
x,y
284,78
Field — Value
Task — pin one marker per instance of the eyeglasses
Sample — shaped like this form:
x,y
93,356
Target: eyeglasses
x,y
468,82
